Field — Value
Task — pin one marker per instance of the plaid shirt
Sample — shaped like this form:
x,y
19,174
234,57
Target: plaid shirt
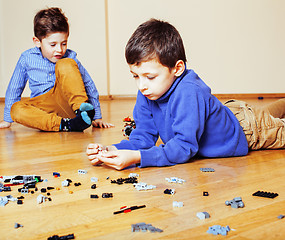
x,y
40,72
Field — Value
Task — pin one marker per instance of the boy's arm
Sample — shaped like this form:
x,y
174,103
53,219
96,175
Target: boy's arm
x,y
15,88
188,126
110,156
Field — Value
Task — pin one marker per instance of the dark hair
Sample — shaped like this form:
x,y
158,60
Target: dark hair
x,y
48,21
155,39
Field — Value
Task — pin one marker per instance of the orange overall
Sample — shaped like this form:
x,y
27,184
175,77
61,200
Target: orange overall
x,y
45,112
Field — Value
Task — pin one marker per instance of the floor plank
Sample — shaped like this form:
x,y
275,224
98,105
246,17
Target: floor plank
x,y
29,151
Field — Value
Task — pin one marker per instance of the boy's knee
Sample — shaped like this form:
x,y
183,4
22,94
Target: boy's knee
x,y
65,64
16,111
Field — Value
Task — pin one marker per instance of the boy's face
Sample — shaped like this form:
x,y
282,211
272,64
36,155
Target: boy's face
x,y
153,79
53,46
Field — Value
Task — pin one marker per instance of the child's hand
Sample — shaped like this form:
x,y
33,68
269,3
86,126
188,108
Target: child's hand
x,y
92,151
118,159
98,123
4,124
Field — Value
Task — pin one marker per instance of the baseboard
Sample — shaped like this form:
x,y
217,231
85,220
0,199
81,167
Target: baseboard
x,y
117,97
219,96
249,95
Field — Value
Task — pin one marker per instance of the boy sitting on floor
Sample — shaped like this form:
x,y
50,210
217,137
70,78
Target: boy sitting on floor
x,y
61,88
173,103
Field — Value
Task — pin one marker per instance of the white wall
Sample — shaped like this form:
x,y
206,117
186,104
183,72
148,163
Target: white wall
x,y
87,35
236,46
1,47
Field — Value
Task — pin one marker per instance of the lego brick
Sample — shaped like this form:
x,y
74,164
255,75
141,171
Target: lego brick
x,y
235,203
169,191
203,215
18,225
207,169
125,210
120,181
175,180
177,204
145,227
94,179
143,186
217,229
134,175
94,196
265,194
107,195
82,171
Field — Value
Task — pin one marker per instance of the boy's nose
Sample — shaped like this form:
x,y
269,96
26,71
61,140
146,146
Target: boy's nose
x,y
142,85
59,49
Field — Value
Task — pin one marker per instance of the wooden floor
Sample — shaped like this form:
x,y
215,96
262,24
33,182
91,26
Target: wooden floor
x,y
27,151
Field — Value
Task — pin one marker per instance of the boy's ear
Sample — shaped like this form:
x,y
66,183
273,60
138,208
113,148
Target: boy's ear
x,y
179,68
37,42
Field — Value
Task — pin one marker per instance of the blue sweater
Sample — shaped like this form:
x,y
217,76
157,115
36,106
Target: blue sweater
x,y
189,120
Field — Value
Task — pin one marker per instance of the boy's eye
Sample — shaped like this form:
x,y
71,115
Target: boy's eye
x,y
64,44
52,44
135,76
150,77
